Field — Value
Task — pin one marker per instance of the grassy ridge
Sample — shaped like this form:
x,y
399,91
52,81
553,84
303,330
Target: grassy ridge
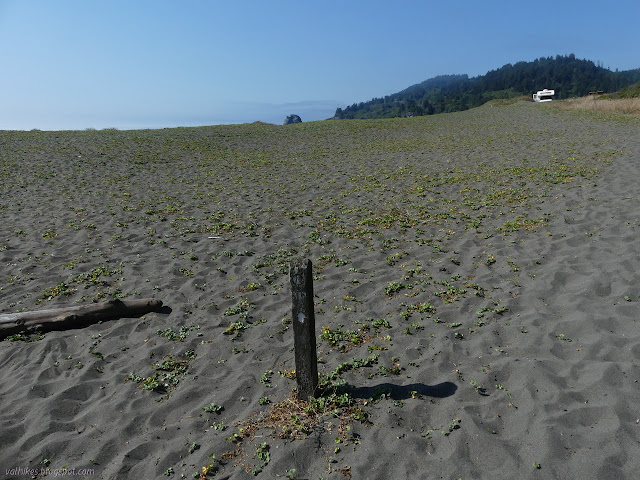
x,y
632,91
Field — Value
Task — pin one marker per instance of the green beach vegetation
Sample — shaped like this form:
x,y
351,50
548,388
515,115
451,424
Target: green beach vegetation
x,y
413,226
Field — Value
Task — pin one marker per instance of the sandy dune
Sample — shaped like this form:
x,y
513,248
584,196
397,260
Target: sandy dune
x,y
477,298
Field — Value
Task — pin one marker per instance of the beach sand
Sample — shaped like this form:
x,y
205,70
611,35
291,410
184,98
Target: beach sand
x,y
477,292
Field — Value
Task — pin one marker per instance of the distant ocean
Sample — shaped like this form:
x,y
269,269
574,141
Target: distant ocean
x,y
240,112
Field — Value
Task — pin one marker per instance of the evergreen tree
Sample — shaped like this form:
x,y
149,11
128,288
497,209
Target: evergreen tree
x,y
567,75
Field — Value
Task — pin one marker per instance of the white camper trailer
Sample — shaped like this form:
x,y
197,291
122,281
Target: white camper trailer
x,y
544,95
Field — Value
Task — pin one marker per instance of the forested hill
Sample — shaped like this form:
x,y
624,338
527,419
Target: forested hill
x,y
567,75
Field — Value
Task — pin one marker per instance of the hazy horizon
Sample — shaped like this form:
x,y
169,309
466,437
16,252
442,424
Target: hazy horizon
x,y
268,113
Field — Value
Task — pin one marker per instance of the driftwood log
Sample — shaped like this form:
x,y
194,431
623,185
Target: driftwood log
x,y
74,317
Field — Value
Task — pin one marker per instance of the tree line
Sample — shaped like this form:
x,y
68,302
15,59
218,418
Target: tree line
x,y
567,75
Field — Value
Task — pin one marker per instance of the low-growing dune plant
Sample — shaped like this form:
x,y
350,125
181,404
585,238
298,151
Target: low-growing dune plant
x,y
167,373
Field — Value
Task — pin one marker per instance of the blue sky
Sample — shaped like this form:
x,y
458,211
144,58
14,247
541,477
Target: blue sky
x,y
151,64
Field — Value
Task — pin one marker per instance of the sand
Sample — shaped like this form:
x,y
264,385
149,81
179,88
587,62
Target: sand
x,y
477,282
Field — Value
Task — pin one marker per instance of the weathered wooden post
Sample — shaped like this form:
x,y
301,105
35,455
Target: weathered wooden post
x,y
304,328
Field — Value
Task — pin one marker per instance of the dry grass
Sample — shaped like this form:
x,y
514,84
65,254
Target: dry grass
x,y
595,102
501,102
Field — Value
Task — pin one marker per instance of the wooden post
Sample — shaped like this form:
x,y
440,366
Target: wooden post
x,y
304,328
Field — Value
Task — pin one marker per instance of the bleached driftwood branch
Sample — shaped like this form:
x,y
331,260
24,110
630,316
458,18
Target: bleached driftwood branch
x,y
75,317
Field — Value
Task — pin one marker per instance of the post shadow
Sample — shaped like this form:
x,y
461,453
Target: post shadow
x,y
306,361
401,392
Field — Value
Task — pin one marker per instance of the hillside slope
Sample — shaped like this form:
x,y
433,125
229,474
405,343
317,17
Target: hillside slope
x,y
569,76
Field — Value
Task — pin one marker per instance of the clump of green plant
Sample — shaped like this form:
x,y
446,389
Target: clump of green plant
x,y
478,388
167,374
240,309
209,469
249,287
25,337
275,264
262,452
454,425
416,328
394,287
561,336
343,340
180,335
236,328
186,272
346,366
95,275
381,393
213,408
497,308
49,233
265,379
423,308
379,323
393,259
394,369
451,293
521,222
499,386
58,290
